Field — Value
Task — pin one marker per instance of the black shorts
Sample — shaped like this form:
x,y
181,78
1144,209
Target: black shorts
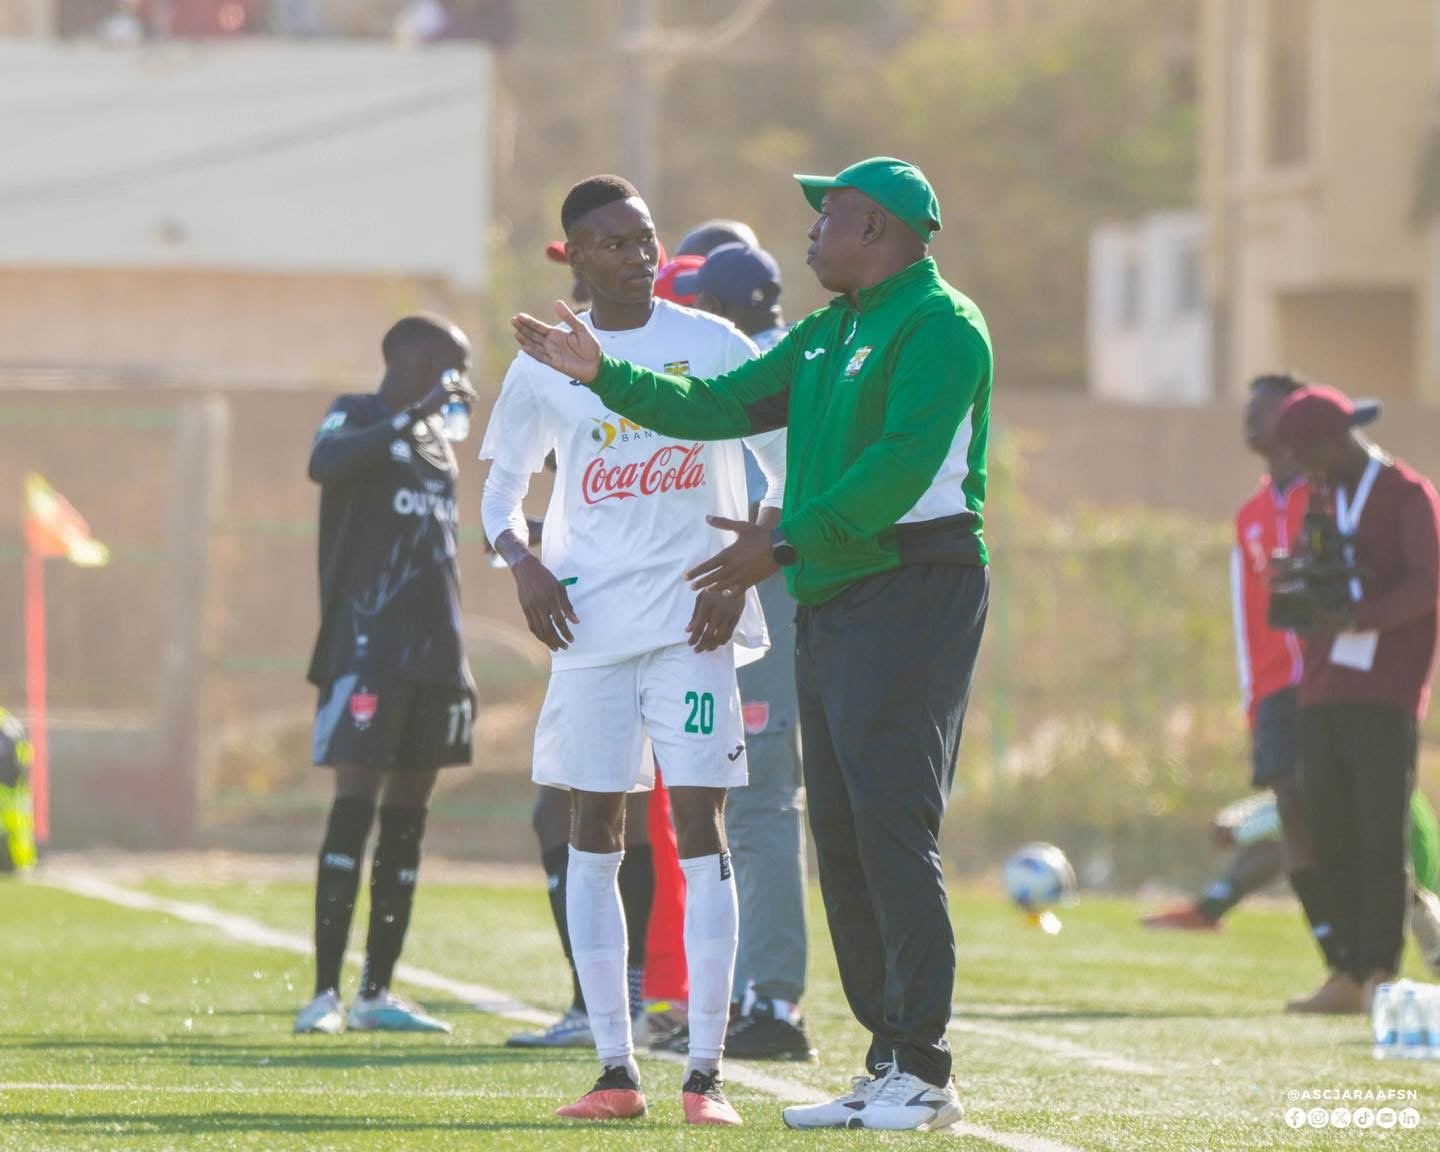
x,y
1275,743
393,725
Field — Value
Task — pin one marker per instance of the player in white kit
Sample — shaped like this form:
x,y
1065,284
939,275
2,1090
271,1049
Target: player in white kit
x,y
635,652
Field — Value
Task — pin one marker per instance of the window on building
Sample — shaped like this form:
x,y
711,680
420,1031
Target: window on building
x,y
1288,82
1189,291
1128,318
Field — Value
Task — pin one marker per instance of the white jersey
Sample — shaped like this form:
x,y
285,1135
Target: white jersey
x,y
626,519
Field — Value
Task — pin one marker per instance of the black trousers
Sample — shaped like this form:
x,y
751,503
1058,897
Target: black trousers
x,y
883,677
1357,770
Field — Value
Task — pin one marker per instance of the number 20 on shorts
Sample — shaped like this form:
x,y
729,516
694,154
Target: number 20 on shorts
x,y
702,713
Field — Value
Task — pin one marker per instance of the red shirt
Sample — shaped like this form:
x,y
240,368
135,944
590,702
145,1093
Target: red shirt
x,y
1397,547
1269,659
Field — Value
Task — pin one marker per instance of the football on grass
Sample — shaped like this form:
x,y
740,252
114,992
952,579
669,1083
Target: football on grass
x,y
1039,876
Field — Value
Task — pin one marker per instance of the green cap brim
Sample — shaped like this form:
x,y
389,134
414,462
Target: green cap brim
x,y
815,188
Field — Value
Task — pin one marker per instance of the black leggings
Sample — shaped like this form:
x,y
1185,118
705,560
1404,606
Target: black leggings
x,y
1357,764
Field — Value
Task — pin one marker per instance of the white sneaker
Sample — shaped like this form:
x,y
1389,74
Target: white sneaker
x,y
837,1113
571,1031
324,1014
389,1013
902,1102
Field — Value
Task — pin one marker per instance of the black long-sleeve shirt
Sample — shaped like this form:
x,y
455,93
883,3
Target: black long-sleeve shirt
x,y
389,579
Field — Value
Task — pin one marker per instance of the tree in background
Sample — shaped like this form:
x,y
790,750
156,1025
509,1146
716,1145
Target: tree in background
x,y
1036,120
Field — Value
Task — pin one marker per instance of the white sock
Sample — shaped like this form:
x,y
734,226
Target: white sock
x,y
597,941
712,928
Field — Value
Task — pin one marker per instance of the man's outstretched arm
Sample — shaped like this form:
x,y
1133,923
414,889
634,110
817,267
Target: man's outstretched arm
x,y
750,399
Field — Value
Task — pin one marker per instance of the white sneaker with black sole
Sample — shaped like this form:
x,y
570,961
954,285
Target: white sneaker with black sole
x,y
837,1113
902,1102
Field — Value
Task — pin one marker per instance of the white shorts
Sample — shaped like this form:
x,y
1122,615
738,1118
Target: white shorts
x,y
593,727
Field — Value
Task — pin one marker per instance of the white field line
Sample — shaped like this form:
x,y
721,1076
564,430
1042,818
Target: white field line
x,y
487,1000
1015,1141
287,1089
249,931
1057,1046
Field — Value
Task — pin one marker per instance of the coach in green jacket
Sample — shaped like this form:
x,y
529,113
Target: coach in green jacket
x,y
886,396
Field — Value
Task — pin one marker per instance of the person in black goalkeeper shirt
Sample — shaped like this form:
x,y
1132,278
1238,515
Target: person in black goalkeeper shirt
x,y
396,695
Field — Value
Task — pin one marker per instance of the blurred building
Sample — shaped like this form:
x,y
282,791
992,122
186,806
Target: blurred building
x,y
205,227
494,22
249,210
1149,330
1316,116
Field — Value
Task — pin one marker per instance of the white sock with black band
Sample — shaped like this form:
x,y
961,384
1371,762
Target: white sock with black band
x,y
712,928
597,941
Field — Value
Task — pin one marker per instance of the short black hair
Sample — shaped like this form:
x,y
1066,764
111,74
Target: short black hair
x,y
1278,382
591,194
412,332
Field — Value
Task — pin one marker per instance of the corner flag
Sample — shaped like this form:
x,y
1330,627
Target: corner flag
x,y
54,528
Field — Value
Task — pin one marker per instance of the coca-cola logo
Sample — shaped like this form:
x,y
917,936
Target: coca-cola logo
x,y
673,468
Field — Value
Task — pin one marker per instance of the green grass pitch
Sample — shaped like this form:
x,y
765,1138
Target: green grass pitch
x,y
135,1028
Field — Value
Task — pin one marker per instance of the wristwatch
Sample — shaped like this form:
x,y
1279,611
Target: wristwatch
x,y
781,550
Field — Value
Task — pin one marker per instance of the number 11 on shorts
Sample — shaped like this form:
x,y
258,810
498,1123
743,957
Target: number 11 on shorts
x,y
459,721
702,713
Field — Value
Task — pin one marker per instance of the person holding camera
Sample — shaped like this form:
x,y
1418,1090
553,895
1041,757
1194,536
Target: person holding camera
x,y
1363,587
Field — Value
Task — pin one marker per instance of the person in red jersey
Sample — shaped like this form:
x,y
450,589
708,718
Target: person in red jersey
x,y
1270,664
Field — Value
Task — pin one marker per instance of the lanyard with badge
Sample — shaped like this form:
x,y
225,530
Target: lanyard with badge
x,y
1355,649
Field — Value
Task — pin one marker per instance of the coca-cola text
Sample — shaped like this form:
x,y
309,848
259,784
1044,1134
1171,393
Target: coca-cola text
x,y
674,467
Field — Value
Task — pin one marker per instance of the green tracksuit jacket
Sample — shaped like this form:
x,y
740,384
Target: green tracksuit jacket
x,y
888,412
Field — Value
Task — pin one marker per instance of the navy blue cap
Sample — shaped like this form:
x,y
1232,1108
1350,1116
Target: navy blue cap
x,y
705,238
735,274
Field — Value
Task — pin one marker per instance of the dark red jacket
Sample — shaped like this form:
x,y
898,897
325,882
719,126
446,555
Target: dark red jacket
x,y
1397,545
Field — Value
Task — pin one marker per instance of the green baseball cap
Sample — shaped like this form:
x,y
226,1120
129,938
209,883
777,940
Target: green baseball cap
x,y
900,188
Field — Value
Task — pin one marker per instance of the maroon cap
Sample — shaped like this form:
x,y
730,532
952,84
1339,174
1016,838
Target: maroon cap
x,y
1316,413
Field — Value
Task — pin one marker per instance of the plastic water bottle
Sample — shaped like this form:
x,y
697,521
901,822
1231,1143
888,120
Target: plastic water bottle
x,y
455,419
1412,1024
1431,1005
1383,1022
455,412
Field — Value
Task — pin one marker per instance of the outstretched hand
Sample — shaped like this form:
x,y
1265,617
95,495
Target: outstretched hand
x,y
742,565
575,353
